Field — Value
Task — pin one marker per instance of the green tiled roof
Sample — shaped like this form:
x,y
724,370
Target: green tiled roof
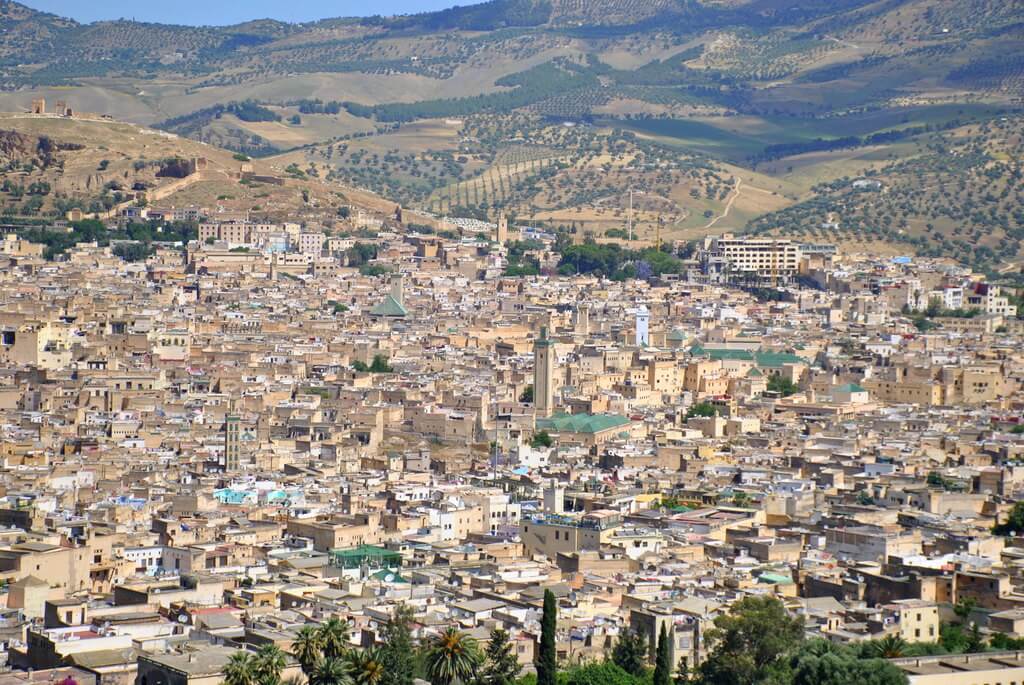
x,y
677,334
776,359
389,307
850,387
582,423
761,359
388,576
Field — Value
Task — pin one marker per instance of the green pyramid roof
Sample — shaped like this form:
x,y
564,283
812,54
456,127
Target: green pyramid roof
x,y
388,576
389,307
677,334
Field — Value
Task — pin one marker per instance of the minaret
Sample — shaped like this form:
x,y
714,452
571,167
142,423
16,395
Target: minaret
x,y
583,320
543,374
501,235
398,288
643,324
232,446
554,498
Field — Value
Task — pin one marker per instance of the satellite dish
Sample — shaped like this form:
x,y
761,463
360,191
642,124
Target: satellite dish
x,y
182,618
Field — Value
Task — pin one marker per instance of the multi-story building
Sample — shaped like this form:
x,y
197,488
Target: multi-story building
x,y
311,243
727,258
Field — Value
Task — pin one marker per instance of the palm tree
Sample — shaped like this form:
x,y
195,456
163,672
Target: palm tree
x,y
889,647
330,672
333,638
240,669
452,657
366,667
307,648
268,664
819,647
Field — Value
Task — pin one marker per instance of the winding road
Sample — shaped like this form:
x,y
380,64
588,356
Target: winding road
x,y
728,205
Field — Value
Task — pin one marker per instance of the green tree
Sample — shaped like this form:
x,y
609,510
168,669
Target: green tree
x,y
527,395
133,252
365,666
501,667
1014,522
964,607
240,669
398,652
452,657
599,673
330,672
889,647
333,638
307,648
547,657
542,439
630,653
702,409
684,674
750,643
783,386
663,660
819,662
268,665
1004,642
380,364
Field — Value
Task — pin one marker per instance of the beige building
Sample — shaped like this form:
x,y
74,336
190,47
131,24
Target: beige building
x,y
555,534
992,668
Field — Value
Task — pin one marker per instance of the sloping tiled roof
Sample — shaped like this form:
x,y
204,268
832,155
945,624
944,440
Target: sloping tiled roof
x,y
389,307
761,359
582,423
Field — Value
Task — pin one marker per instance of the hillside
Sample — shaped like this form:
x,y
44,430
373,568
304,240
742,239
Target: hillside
x,y
956,192
718,114
53,164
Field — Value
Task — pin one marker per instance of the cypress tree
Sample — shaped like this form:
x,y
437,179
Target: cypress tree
x,y
663,663
630,653
399,651
547,659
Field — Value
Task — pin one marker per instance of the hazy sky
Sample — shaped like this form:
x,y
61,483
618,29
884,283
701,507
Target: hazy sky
x,y
233,11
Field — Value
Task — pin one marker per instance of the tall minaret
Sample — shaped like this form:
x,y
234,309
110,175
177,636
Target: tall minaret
x,y
543,374
232,445
583,320
398,288
501,236
643,320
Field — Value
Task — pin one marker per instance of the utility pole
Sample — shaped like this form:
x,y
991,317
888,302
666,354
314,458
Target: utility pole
x,y
630,215
638,192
